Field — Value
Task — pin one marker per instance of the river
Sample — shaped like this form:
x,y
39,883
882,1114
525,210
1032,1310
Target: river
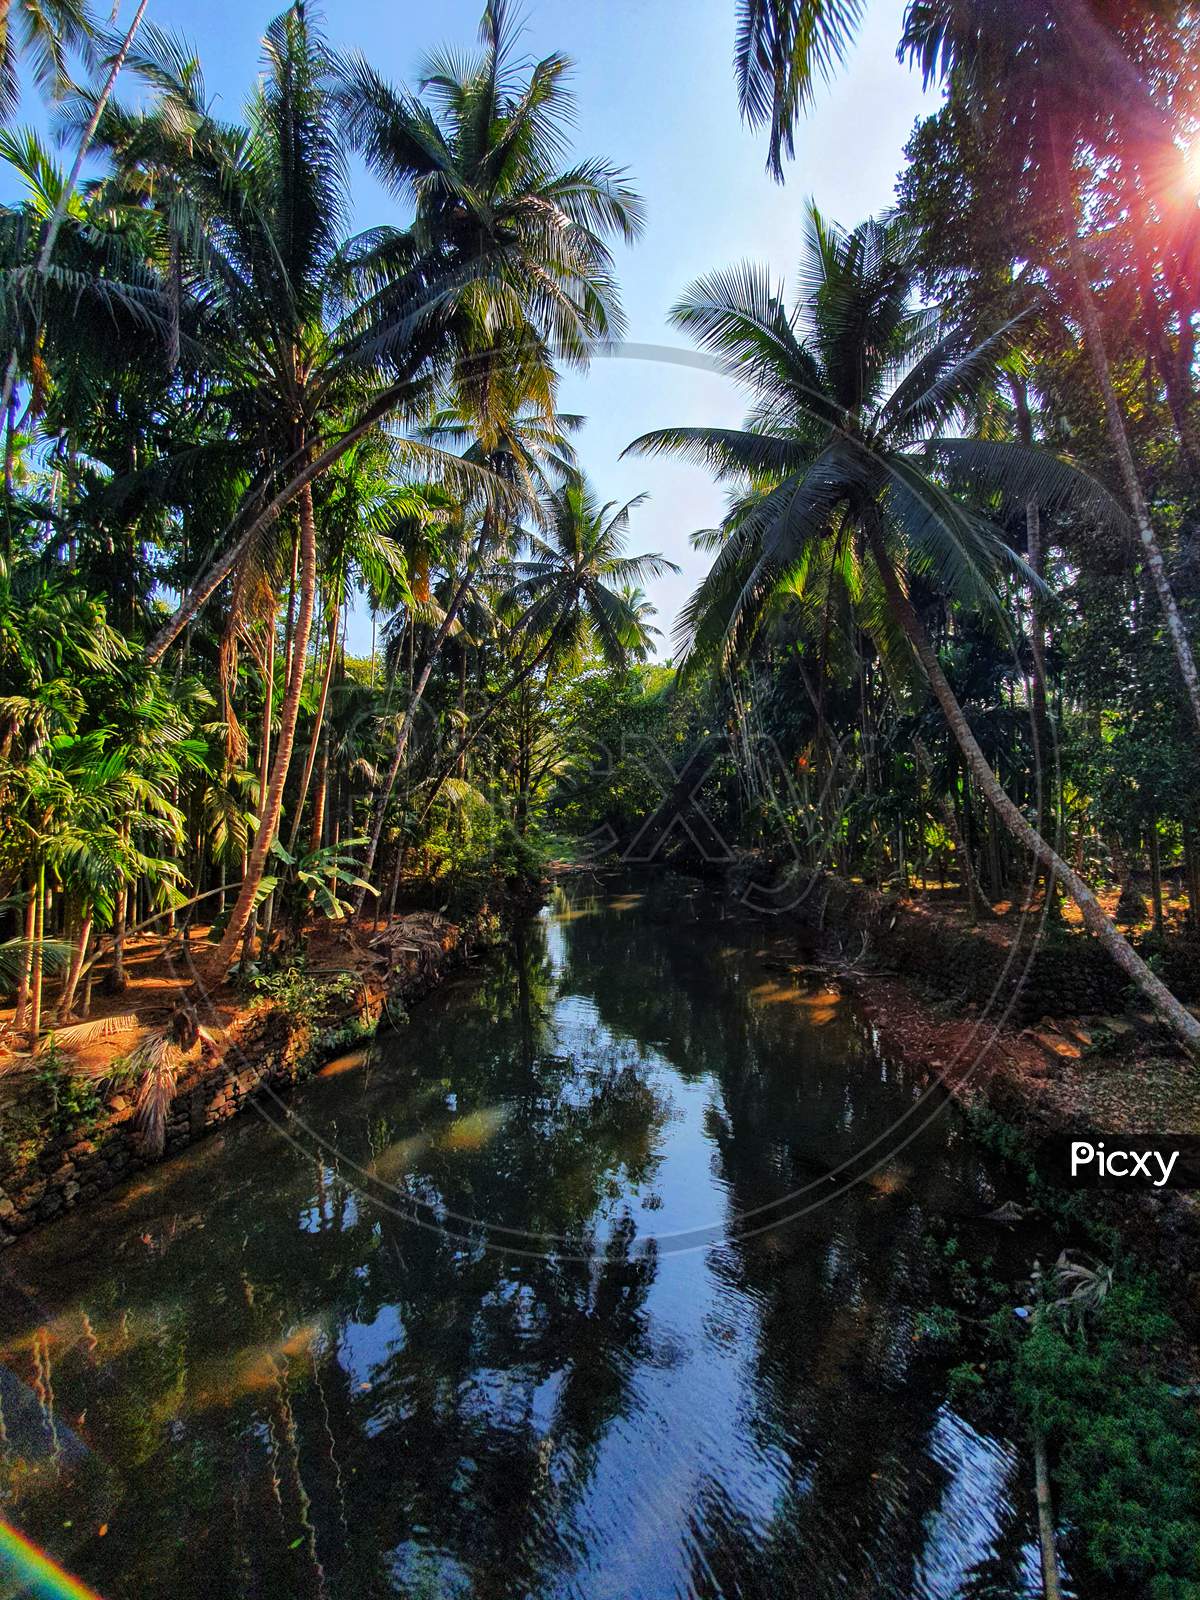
x,y
601,1275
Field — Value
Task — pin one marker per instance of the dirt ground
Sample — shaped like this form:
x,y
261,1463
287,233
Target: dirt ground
x,y
161,968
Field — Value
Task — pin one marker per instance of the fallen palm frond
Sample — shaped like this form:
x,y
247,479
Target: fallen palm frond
x,y
1083,1286
416,941
157,1058
76,1037
84,1033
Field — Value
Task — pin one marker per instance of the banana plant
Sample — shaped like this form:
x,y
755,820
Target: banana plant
x,y
317,877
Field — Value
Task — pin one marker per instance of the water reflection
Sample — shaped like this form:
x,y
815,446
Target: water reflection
x,y
261,1382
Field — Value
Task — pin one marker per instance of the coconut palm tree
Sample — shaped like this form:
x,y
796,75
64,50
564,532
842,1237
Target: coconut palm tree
x,y
481,155
575,581
507,245
854,393
1060,72
642,609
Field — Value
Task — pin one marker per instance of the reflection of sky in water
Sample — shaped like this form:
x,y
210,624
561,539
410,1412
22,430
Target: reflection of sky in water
x,y
344,1404
963,1529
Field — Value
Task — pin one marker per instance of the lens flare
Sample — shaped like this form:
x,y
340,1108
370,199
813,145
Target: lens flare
x,y
35,1571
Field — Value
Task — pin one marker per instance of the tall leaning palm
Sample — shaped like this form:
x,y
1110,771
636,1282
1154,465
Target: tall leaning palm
x,y
1058,75
854,396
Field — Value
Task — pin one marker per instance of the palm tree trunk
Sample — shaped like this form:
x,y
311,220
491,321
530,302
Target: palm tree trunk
x,y
264,747
77,959
35,973
1191,861
68,189
269,820
117,981
26,959
320,793
383,800
1182,1024
264,754
318,726
1094,340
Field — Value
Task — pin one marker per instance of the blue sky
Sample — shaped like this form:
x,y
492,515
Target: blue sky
x,y
655,94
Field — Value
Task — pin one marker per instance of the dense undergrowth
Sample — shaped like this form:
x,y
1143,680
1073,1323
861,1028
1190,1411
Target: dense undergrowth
x,y
1085,1348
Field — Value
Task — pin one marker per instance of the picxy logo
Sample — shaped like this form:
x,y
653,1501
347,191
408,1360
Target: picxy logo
x,y
1093,1160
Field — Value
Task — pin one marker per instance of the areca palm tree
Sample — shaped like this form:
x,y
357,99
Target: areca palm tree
x,y
855,394
508,428
571,593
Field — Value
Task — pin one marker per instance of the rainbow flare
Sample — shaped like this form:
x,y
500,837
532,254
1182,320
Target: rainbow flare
x,y
37,1571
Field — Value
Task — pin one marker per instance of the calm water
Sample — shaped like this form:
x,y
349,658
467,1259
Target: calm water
x,y
552,1295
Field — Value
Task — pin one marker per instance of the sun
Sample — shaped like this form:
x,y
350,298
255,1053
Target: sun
x,y
1190,170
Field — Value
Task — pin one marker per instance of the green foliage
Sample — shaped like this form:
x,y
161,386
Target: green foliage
x,y
304,995
1125,1447
939,1324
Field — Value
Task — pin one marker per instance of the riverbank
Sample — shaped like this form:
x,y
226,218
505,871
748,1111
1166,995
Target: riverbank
x,y
153,1071
1024,1023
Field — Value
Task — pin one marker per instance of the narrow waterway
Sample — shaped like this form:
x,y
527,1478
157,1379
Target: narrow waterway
x,y
600,1276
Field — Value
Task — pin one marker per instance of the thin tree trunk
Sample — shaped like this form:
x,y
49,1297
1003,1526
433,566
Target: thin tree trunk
x,y
117,981
1192,873
291,612
317,830
264,748
269,820
77,959
1094,340
1156,887
68,189
383,800
35,975
26,959
10,423
264,757
318,727
1182,1024
1051,1588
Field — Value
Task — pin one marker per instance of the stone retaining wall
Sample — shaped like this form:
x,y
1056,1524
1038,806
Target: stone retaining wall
x,y
267,1048
1058,974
